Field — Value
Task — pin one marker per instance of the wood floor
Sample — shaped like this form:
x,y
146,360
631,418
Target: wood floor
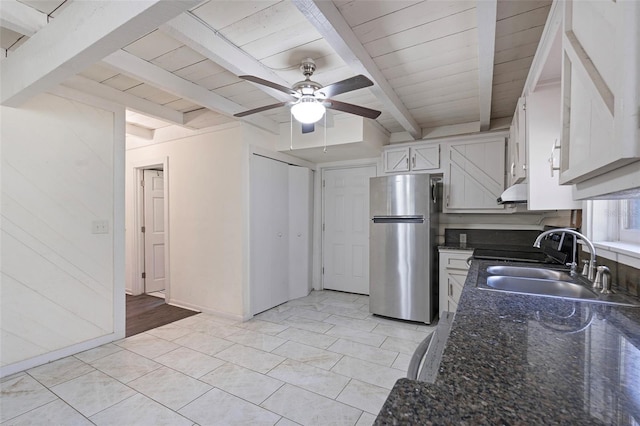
x,y
145,312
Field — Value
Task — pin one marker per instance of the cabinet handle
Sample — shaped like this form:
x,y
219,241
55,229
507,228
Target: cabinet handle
x,y
553,150
413,161
450,290
407,162
513,169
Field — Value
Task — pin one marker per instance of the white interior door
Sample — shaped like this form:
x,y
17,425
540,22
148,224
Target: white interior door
x,y
346,229
300,230
269,233
154,231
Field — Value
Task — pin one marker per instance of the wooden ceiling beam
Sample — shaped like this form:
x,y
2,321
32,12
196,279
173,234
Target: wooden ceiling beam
x,y
486,15
56,53
196,34
330,23
130,101
21,18
149,73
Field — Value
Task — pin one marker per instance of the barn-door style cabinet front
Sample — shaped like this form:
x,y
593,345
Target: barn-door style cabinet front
x,y
412,158
474,175
600,89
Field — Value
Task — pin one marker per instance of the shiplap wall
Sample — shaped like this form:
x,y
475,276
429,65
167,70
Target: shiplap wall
x,y
57,276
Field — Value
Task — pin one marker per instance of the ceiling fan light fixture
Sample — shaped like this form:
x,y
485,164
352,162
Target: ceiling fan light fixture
x,y
308,110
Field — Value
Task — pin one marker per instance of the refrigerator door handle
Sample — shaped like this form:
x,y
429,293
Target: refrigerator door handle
x,y
398,219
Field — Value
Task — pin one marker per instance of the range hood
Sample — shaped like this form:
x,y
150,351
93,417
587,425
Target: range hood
x,y
515,194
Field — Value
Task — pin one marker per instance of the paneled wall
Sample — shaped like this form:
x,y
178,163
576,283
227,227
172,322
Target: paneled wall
x,y
58,160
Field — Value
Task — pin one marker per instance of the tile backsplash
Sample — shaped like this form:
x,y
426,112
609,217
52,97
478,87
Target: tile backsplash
x,y
482,237
623,277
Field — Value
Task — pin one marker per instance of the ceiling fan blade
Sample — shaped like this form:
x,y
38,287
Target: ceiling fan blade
x,y
308,128
352,109
264,108
353,83
254,79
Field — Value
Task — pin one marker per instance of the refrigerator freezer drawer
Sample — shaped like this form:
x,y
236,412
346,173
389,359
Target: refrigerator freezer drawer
x,y
400,266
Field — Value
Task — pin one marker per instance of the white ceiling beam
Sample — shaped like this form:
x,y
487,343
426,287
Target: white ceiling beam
x,y
193,32
486,15
84,33
139,131
21,18
151,74
330,23
130,101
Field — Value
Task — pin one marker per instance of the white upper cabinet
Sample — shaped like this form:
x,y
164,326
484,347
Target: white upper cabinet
x,y
517,165
543,134
420,157
600,91
474,175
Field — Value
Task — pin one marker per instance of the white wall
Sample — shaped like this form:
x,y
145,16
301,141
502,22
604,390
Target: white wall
x,y
60,281
208,215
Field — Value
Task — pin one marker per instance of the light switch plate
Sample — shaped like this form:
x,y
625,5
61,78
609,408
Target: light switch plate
x,y
100,227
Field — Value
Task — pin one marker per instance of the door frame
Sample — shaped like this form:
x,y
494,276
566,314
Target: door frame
x,y
137,286
372,162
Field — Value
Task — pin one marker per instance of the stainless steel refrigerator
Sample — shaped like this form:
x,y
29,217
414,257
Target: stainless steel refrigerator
x,y
402,247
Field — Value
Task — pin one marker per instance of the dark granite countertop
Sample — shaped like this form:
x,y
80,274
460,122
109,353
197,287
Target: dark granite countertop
x,y
519,360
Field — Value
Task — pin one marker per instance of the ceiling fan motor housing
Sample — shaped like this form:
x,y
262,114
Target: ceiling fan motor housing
x,y
308,67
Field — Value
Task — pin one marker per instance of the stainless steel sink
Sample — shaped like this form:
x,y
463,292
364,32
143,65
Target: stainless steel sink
x,y
526,272
547,283
542,287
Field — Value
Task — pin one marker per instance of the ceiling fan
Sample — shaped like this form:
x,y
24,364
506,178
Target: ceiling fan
x,y
309,100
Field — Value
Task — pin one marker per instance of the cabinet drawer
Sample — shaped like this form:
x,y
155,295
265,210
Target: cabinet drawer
x,y
456,260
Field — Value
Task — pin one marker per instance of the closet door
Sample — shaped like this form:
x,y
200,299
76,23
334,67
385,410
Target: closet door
x,y
300,219
269,234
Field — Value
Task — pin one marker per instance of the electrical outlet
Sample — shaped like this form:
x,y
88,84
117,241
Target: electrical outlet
x,y
463,240
100,227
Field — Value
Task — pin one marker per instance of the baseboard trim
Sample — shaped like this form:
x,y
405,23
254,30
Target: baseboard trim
x,y
26,364
204,310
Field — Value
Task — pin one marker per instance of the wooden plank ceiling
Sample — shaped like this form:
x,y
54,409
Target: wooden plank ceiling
x,y
422,55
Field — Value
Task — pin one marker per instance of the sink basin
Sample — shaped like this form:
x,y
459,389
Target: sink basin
x,y
526,272
541,287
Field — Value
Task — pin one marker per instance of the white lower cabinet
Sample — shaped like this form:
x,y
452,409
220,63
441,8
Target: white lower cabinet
x,y
280,233
453,273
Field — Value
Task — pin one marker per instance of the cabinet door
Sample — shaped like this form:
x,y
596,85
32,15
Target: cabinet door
x,y
543,126
453,269
476,174
396,160
601,88
425,157
517,144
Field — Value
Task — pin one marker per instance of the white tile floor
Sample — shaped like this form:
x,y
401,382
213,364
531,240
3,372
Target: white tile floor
x,y
318,360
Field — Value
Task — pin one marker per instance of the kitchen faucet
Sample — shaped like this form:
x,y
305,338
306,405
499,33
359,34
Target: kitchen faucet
x,y
592,250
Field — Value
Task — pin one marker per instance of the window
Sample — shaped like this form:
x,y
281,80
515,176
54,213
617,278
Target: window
x,y
614,228
630,223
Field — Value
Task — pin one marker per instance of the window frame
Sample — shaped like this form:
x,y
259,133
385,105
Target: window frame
x,y
626,234
602,222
